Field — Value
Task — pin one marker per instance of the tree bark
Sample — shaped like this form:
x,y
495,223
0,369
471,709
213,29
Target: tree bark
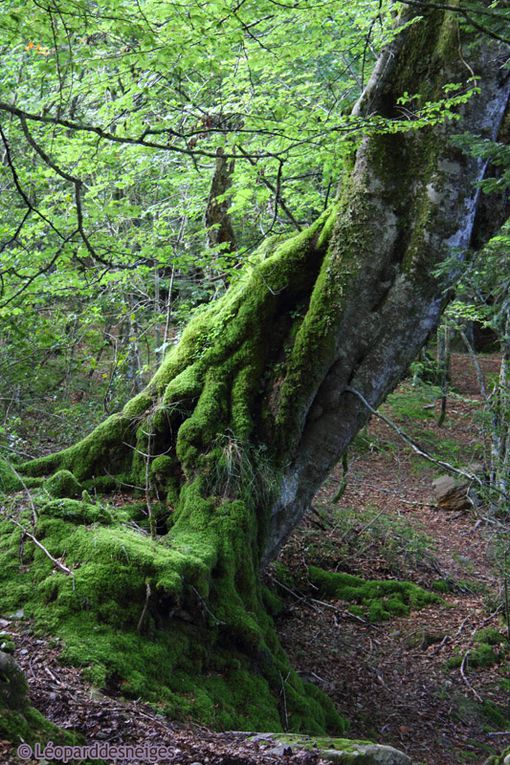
x,y
258,401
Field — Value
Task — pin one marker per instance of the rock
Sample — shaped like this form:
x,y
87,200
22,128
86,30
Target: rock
x,y
451,493
338,750
19,614
373,754
423,639
7,644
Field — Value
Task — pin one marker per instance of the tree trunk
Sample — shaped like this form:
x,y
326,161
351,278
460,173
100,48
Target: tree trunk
x,y
264,391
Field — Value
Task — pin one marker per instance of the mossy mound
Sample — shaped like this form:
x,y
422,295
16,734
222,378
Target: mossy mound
x,y
375,599
62,484
490,647
74,511
129,618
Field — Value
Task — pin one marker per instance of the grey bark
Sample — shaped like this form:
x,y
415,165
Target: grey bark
x,y
410,204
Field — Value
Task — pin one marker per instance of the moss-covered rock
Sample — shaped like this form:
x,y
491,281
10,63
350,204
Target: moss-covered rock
x,y
63,484
7,644
500,759
13,686
19,721
338,750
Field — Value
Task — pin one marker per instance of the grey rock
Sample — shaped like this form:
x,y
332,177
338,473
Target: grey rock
x,y
340,751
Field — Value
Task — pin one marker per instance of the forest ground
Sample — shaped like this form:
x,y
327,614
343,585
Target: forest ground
x,y
389,678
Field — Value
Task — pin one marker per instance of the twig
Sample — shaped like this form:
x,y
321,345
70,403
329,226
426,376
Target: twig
x,y
58,564
145,607
29,495
345,612
408,440
284,698
466,681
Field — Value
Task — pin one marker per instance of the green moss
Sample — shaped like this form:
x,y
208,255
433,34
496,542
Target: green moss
x,y
489,648
414,403
380,599
63,484
442,585
499,759
31,726
339,750
76,511
220,663
491,636
18,720
162,466
9,480
7,644
480,656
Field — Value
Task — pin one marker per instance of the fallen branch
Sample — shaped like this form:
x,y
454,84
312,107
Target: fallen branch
x,y
466,681
410,442
57,563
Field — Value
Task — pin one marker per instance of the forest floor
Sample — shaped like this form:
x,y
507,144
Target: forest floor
x,y
391,679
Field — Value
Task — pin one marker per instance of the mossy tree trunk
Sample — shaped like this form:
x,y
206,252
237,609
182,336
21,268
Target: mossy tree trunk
x,y
256,403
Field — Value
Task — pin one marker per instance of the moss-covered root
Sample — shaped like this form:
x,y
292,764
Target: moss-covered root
x,y
376,599
19,721
180,622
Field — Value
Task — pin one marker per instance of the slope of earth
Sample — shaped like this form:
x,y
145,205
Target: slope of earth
x,y
433,683
66,699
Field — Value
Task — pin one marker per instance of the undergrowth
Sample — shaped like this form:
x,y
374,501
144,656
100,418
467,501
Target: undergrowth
x,y
368,538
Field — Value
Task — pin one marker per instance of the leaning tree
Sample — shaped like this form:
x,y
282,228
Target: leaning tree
x,y
259,399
